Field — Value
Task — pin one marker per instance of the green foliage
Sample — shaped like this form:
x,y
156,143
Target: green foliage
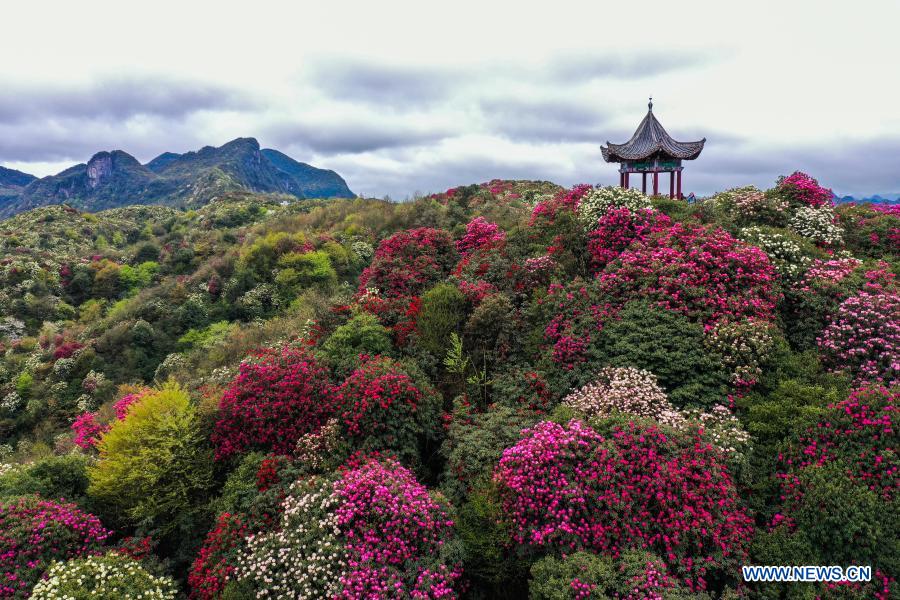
x,y
52,478
240,489
442,314
552,577
475,442
305,269
154,466
136,278
362,334
669,346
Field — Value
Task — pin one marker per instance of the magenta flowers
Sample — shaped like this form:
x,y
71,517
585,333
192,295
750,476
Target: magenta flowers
x,y
567,488
34,533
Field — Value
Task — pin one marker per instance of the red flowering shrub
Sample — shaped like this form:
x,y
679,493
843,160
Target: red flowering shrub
x,y
864,337
34,533
381,407
271,403
617,228
566,488
408,262
218,557
802,190
860,432
395,534
705,274
66,350
480,233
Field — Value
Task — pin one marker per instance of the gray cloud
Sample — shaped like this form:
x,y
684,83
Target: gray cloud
x,y
636,64
551,120
352,135
116,98
373,83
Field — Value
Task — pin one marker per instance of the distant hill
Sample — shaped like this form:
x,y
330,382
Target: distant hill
x,y
113,179
875,199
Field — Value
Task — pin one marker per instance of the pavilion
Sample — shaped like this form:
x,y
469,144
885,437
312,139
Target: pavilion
x,y
652,150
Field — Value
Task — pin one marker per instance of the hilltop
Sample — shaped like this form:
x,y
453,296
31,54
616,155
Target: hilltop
x,y
115,178
539,391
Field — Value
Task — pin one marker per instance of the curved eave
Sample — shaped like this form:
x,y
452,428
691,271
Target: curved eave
x,y
665,148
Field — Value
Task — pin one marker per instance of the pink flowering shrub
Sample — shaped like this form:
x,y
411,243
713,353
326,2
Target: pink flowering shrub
x,y
34,533
408,262
392,525
566,488
89,426
705,274
480,233
617,228
380,406
802,190
87,430
864,337
861,432
625,390
871,230
565,200
273,401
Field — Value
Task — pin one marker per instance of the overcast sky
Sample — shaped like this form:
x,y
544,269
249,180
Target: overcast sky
x,y
404,97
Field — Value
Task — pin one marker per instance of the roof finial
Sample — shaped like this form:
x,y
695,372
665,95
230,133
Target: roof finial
x,y
650,104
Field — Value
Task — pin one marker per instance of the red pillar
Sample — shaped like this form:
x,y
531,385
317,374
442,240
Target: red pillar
x,y
644,184
656,183
680,197
671,184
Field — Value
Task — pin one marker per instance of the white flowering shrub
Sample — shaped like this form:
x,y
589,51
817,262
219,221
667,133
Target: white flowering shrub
x,y
11,402
315,448
597,201
625,390
744,346
108,576
721,428
363,250
305,557
818,224
786,254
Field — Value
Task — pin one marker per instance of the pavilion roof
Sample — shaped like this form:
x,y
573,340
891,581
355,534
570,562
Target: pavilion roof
x,y
651,140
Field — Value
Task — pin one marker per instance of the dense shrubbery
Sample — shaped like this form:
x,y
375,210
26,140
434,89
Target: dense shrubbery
x,y
567,488
275,399
34,533
109,576
596,390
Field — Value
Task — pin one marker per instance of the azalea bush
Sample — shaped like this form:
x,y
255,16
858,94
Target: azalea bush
x,y
870,230
381,406
406,263
567,488
784,248
372,531
802,190
110,576
480,234
218,559
598,201
617,228
34,533
745,347
864,337
275,398
625,390
818,225
705,274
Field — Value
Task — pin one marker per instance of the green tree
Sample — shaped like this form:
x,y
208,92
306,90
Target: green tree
x,y
155,466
